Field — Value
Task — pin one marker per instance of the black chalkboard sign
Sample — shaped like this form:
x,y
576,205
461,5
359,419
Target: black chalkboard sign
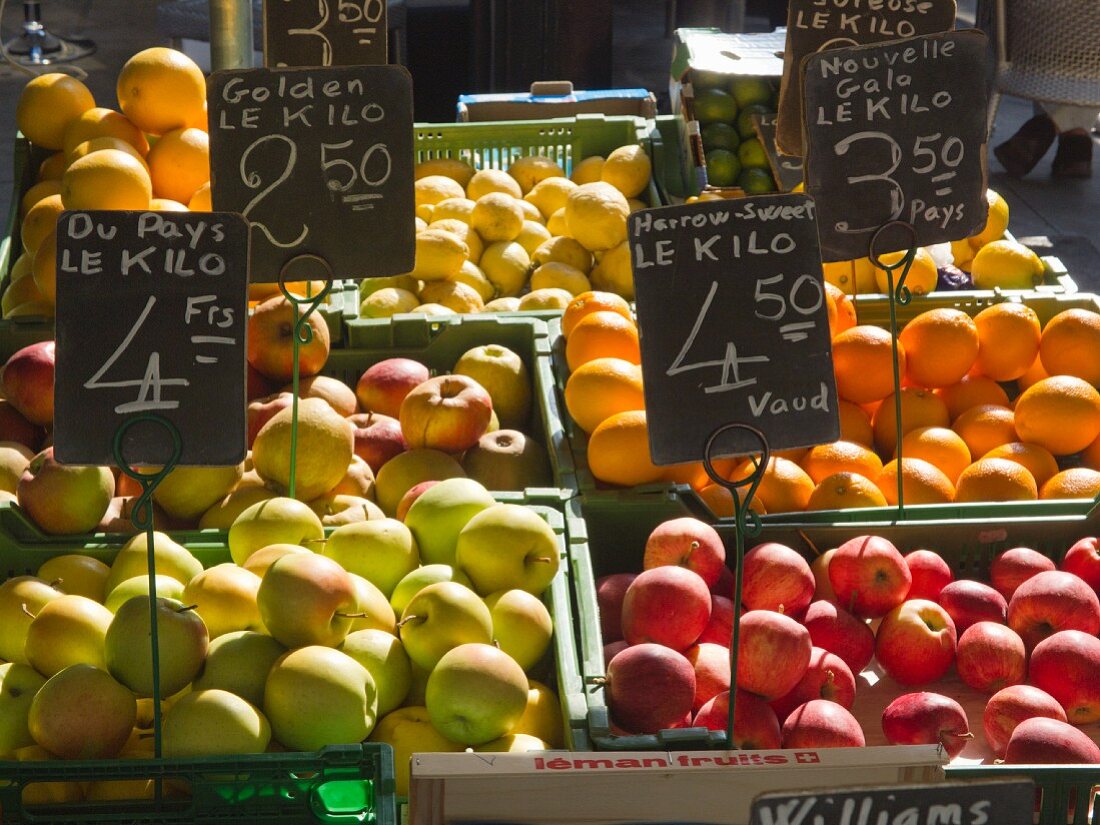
x,y
786,169
320,162
897,132
324,32
959,803
151,318
734,325
813,25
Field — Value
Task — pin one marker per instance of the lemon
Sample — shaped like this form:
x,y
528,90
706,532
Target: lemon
x,y
40,190
425,211
561,276
40,222
167,205
458,208
531,212
532,236
48,104
545,298
19,292
588,170
471,275
636,204
614,273
108,179
505,264
627,169
1006,264
565,250
419,224
556,224
531,169
200,201
509,304
723,167
492,180
457,170
388,301
439,255
474,244
104,142
963,253
21,268
995,224
550,195
595,214
433,310
715,105
405,282
497,217
435,188
840,275
921,278
454,295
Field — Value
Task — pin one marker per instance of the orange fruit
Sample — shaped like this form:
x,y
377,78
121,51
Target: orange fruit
x,y
1035,374
161,89
600,388
841,456
995,479
602,334
179,163
842,312
940,347
692,473
47,105
40,222
109,179
103,122
720,501
167,205
44,268
1008,336
921,481
863,363
940,447
855,424
845,491
40,190
1091,456
784,488
986,427
1077,482
1071,345
200,201
99,143
1035,459
588,302
618,451
919,408
52,168
972,391
1061,413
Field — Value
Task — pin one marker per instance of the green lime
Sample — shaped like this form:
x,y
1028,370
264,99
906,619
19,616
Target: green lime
x,y
720,136
723,167
701,79
749,90
756,181
713,105
751,154
744,119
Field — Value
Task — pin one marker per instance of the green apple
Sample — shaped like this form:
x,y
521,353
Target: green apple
x,y
18,686
381,551
317,696
420,578
222,514
214,723
166,586
188,492
325,445
278,520
21,598
64,499
306,599
476,693
514,743
239,662
67,631
408,730
225,596
439,514
522,626
504,376
508,460
337,509
383,655
406,470
508,546
171,559
373,611
182,641
440,617
262,559
77,574
542,718
82,713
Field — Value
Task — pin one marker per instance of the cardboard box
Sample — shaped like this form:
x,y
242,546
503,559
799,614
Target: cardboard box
x,y
555,99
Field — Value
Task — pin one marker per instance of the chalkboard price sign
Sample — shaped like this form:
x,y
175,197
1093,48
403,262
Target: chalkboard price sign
x,y
734,326
324,32
151,318
320,162
786,169
897,132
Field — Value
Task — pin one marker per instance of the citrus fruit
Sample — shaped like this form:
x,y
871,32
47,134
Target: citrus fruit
x,y
167,205
842,312
106,142
995,224
845,491
532,235
453,295
749,91
921,278
784,487
919,408
388,301
986,427
841,456
1034,374
1035,459
550,195
200,201
557,225
962,254
44,268
595,214
602,334
47,105
853,277
1006,264
1077,482
53,167
1009,336
720,501
439,254
720,136
530,169
939,446
704,79
471,275
179,163
485,181
545,298
562,276
921,482
457,170
995,479
106,180
756,181
40,222
715,105
594,301
101,122
475,247
618,451
497,217
855,424
505,264
588,170
940,347
863,362
972,391
723,167
564,249
19,292
1070,345
614,273
161,89
1060,413
744,119
40,190
434,189
752,155
627,169
600,388
460,208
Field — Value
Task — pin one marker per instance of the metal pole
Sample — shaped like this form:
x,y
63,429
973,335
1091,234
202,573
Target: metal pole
x,y
231,34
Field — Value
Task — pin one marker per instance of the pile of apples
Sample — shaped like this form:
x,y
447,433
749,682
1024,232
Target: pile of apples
x,y
1023,649
419,633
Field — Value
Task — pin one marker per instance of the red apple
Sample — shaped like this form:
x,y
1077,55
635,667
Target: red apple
x,y
64,499
823,588
666,605
384,385
969,602
869,576
725,583
263,409
712,671
755,726
411,495
1009,707
1042,741
990,657
332,391
689,543
610,591
1052,601
927,719
649,687
776,578
774,654
915,643
719,629
1083,561
612,650
838,631
448,413
822,724
14,427
27,380
1013,567
1067,666
826,677
930,574
378,438
271,341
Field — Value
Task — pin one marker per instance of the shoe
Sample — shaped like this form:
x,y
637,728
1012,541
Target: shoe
x,y
1074,157
1019,154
